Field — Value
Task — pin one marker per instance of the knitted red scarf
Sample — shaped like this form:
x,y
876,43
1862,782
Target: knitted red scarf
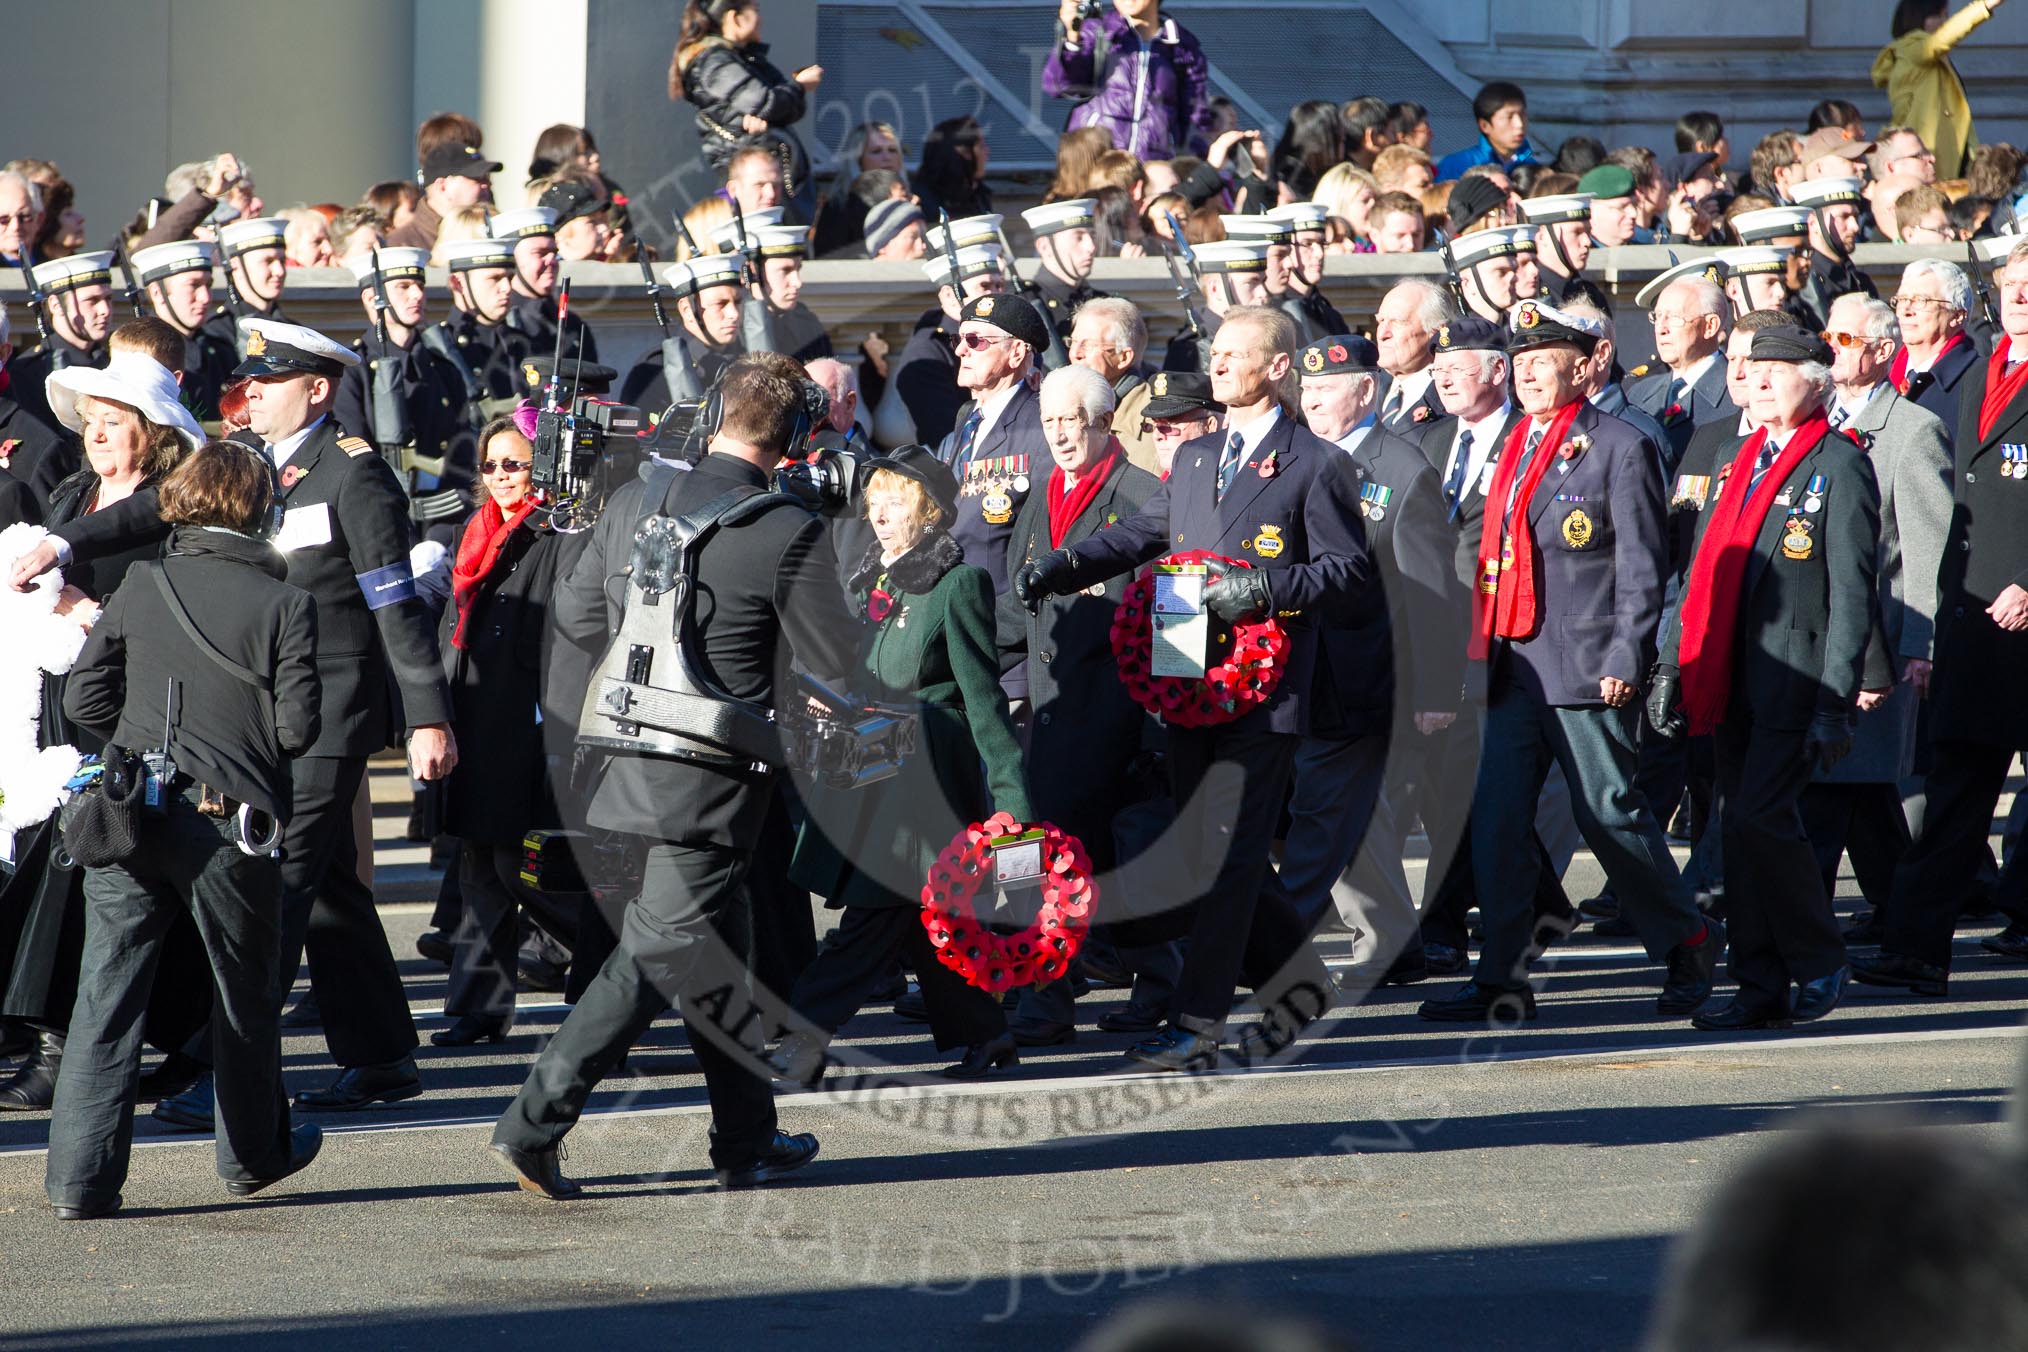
x,y
485,536
1066,507
1504,604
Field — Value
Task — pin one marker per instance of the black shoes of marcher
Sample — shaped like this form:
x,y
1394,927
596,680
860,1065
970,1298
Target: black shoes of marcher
x,y
16,1039
363,1086
1815,999
2011,942
983,1058
1691,969
1481,1004
304,1013
1131,1018
1892,969
86,1211
1613,927
537,1171
1041,1032
1741,1017
1444,960
799,1060
911,1007
175,1074
305,1140
32,1087
1408,967
195,1109
468,1029
1865,931
434,945
1604,906
783,1155
1177,1049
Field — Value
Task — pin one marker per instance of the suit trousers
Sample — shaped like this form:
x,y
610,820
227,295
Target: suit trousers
x,y
1595,748
1863,820
1778,910
186,864
1230,784
1341,859
328,914
485,943
1449,890
857,959
682,940
1962,790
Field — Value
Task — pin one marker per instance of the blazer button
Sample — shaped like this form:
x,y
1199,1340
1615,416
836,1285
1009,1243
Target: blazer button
x,y
1971,478
1046,657
1179,537
1043,718
1959,614
1965,545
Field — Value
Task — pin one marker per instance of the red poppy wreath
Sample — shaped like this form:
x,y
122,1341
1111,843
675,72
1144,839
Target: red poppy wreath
x,y
984,957
1242,682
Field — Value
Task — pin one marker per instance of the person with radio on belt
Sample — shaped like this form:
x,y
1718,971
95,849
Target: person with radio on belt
x,y
767,568
209,659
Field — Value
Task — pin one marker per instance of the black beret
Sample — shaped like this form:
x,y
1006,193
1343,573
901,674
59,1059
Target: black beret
x,y
1180,394
1471,334
1339,354
920,464
1472,198
1789,342
1011,315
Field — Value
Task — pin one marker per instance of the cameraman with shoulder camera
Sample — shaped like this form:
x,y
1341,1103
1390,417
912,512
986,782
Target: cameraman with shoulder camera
x,y
771,589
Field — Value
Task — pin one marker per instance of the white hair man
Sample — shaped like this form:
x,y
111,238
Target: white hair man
x,y
1405,329
1933,306
1691,316
1109,336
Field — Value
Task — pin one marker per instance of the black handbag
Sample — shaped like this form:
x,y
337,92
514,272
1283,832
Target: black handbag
x,y
101,823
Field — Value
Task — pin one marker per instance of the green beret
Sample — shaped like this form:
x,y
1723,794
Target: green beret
x,y
1608,181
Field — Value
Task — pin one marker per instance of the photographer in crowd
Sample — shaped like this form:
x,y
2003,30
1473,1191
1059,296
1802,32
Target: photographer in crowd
x,y
1136,72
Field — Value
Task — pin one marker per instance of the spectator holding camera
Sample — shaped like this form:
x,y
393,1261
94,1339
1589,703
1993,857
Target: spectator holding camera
x,y
1137,73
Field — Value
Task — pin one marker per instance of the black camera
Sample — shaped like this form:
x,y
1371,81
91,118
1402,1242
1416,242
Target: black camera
x,y
1089,9
841,742
582,453
825,481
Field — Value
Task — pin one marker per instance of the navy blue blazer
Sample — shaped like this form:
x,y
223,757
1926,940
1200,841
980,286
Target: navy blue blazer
x,y
1300,523
1938,389
1010,461
1602,545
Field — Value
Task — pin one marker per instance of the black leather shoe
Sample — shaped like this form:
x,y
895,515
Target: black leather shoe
x,y
537,1172
1691,969
1613,927
175,1074
1815,999
363,1086
32,1087
16,1039
434,945
1130,1018
783,1155
1041,1032
86,1211
1604,906
1865,931
1892,969
305,1140
798,1060
1177,1049
2011,942
538,973
195,1109
304,1013
1740,1017
1481,1004
1443,960
1101,973
471,1028
1407,968
983,1058
911,1007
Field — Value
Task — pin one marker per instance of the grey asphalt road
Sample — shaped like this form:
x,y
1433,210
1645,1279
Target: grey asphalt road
x,y
1408,1187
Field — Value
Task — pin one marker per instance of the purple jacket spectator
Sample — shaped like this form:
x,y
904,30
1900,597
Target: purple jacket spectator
x,y
1153,97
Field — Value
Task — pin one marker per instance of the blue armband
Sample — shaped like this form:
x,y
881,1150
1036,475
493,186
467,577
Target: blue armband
x,y
387,586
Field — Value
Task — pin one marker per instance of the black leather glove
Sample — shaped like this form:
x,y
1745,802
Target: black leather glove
x,y
1051,575
1827,741
1665,688
1240,595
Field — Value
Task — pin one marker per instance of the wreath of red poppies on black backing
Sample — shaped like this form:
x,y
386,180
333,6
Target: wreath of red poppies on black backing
x,y
984,957
1242,682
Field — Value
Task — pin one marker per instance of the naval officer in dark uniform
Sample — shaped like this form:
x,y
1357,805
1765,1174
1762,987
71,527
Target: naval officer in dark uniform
x,y
532,311
1304,301
710,294
1284,501
177,279
1233,272
780,251
475,338
254,255
1835,226
77,318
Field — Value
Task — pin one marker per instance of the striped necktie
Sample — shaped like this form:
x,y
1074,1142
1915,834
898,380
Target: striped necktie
x,y
1229,463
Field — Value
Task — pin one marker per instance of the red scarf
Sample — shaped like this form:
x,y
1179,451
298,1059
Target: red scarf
x,y
1898,372
2001,388
479,549
1066,507
1504,603
1718,572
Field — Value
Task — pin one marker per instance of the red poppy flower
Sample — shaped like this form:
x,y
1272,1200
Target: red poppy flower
x,y
879,605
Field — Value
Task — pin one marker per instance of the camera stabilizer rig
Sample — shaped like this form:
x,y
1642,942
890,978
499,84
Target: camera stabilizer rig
x,y
584,447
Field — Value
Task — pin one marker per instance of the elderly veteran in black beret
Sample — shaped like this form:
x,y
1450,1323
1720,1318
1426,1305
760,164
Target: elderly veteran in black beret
x,y
1569,593
1083,730
998,448
1181,408
1766,654
1389,672
928,642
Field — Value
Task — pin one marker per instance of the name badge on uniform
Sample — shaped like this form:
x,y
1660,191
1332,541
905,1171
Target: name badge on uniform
x,y
305,526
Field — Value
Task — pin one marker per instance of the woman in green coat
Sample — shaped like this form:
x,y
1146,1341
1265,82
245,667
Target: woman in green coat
x,y
930,644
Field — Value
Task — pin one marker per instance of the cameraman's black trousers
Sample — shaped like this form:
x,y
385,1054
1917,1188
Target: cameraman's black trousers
x,y
683,941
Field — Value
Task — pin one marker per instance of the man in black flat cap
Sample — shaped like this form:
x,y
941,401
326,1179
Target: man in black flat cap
x,y
1766,654
1181,408
454,176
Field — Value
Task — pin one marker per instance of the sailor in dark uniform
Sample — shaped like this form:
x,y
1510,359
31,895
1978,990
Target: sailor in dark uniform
x,y
1066,240
438,451
1756,278
710,293
1835,224
256,270
475,339
1786,230
77,314
1315,316
1233,273
1563,246
177,279
925,375
798,333
532,312
1484,266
